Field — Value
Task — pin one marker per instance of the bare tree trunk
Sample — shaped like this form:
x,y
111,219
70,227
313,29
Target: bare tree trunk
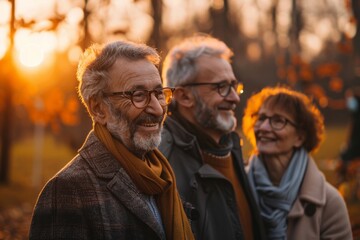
x,y
5,128
221,24
274,23
296,27
7,114
155,38
356,40
86,40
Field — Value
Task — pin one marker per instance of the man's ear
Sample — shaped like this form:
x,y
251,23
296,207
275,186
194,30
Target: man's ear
x,y
184,97
97,110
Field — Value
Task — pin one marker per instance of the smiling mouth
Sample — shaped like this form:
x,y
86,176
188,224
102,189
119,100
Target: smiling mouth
x,y
228,108
265,139
149,126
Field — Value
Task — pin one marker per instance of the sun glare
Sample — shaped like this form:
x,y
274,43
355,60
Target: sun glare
x,y
4,42
32,47
4,12
31,55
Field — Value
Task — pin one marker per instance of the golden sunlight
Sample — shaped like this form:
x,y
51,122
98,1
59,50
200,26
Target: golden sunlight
x,y
32,47
311,43
4,42
74,54
4,12
3,49
4,30
31,55
35,9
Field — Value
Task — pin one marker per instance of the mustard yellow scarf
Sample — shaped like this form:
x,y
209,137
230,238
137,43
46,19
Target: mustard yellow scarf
x,y
152,176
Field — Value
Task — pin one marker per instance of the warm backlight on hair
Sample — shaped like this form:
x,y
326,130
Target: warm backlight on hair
x,y
31,55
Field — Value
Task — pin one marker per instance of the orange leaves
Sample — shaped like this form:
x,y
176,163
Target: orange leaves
x,y
53,102
296,60
295,69
292,75
306,74
281,72
53,108
328,69
319,94
299,70
69,117
345,47
336,84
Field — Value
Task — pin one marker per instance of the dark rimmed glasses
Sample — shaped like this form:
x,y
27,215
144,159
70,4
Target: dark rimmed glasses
x,y
141,98
223,88
277,122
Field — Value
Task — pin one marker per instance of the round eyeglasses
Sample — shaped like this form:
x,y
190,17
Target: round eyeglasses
x,y
141,98
277,122
223,88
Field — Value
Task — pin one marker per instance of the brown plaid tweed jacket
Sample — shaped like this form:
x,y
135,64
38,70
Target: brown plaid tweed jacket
x,y
92,197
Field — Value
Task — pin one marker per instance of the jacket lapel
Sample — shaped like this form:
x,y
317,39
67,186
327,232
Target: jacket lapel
x,y
106,167
125,190
312,190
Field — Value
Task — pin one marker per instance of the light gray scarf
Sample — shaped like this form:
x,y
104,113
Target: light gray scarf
x,y
275,202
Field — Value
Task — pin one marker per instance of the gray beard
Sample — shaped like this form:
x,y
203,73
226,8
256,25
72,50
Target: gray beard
x,y
121,128
212,119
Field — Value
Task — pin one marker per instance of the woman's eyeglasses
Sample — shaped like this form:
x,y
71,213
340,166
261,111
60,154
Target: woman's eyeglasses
x,y
277,122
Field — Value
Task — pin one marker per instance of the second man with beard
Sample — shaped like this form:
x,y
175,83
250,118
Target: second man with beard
x,y
200,142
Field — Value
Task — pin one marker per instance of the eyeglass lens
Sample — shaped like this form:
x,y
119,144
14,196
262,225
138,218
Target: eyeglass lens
x,y
276,122
141,98
224,89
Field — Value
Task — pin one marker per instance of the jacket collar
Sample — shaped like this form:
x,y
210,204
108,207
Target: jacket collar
x,y
105,166
187,141
207,171
312,191
181,136
98,157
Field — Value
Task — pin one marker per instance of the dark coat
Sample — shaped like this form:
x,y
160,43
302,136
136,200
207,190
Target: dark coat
x,y
207,189
93,198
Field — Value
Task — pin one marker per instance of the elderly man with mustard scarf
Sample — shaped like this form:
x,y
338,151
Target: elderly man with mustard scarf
x,y
119,186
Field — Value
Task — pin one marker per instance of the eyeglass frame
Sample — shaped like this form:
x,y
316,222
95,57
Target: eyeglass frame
x,y
130,95
218,86
271,119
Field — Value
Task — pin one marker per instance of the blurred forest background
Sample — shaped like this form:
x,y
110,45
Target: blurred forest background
x,y
313,46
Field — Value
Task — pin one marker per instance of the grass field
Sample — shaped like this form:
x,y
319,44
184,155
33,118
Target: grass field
x,y
21,188
20,194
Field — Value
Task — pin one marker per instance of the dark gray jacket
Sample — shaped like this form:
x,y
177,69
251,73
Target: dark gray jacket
x,y
207,189
93,198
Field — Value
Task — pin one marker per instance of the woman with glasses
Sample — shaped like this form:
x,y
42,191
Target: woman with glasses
x,y
295,200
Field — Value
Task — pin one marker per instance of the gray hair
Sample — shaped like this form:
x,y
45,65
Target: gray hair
x,y
180,63
93,68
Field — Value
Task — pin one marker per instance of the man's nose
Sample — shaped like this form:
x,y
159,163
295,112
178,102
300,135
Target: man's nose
x,y
233,96
154,107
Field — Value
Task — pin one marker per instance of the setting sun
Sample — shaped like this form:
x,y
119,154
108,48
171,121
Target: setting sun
x,y
32,47
31,55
